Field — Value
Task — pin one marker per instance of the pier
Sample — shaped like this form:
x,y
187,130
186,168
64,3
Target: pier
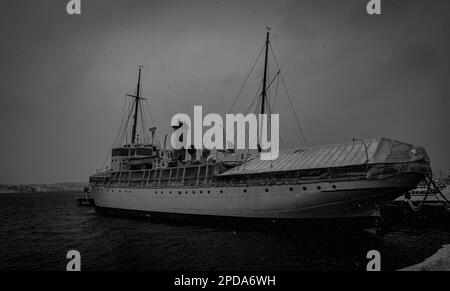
x,y
86,198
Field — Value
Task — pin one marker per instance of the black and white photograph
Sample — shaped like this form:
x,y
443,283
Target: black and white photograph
x,y
223,143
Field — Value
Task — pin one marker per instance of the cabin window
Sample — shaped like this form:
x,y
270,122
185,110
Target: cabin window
x,y
144,152
120,152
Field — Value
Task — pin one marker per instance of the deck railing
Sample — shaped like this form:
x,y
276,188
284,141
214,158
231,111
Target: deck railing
x,y
197,175
206,175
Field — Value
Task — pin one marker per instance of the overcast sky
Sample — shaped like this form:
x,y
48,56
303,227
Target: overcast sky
x,y
63,78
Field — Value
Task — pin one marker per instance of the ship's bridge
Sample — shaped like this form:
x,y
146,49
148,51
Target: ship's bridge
x,y
134,156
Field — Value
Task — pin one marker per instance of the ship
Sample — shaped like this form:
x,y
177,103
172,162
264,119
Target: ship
x,y
350,180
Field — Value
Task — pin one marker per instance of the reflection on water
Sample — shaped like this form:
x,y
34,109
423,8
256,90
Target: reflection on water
x,y
37,230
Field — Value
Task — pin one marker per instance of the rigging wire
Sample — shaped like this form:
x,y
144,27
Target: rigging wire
x,y
121,121
295,113
124,111
246,80
126,124
257,106
272,107
252,103
143,124
127,111
149,111
125,128
276,92
290,100
121,128
150,114
147,122
255,98
145,112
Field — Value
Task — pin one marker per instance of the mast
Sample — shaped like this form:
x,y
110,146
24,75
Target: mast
x,y
264,92
136,107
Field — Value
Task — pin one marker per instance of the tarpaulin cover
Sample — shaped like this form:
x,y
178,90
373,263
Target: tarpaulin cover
x,y
369,151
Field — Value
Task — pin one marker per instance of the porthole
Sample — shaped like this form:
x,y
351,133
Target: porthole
x,y
209,192
291,189
179,192
221,191
334,187
193,192
304,188
170,192
319,188
201,192
186,192
267,190
245,190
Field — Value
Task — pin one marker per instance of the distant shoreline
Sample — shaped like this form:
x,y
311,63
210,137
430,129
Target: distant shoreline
x,y
43,192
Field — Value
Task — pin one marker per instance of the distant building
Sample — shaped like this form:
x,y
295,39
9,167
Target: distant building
x,y
4,190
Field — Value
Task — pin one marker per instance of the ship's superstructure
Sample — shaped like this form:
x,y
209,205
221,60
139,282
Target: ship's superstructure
x,y
345,180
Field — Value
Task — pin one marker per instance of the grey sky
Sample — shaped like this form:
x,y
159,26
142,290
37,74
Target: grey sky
x,y
63,78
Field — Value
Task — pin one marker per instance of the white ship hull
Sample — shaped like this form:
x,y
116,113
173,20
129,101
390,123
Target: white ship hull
x,y
343,199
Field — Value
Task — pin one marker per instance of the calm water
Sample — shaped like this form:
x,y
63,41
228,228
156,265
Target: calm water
x,y
37,230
